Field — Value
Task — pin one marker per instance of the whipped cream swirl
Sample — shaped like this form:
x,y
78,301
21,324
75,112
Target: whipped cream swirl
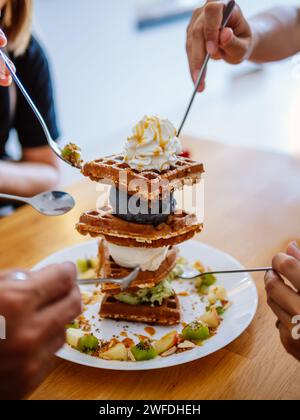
x,y
154,145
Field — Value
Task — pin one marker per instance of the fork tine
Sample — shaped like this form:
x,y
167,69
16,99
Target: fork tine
x,y
126,282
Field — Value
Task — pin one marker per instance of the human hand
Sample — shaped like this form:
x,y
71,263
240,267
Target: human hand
x,y
204,35
283,299
5,77
36,312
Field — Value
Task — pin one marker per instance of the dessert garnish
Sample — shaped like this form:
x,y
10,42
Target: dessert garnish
x,y
154,295
154,145
144,350
196,330
192,334
72,153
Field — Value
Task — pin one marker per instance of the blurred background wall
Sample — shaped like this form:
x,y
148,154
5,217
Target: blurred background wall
x,y
109,73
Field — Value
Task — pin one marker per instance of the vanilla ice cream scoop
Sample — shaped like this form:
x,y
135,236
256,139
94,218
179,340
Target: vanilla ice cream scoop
x,y
154,145
149,259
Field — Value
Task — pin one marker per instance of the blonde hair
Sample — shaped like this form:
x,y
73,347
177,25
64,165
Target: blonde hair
x,y
16,20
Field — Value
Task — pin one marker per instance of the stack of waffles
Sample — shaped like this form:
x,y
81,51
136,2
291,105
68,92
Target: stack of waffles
x,y
141,226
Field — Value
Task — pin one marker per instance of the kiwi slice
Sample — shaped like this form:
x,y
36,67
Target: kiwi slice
x,y
88,343
143,351
195,331
208,279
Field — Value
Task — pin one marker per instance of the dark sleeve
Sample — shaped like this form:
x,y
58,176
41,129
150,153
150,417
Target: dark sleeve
x,y
33,70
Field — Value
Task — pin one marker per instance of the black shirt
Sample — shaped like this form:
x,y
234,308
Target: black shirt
x,y
33,71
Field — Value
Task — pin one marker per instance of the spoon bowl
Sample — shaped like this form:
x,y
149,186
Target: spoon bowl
x,y
51,203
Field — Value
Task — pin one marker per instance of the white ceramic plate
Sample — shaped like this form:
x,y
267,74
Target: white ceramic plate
x,y
241,290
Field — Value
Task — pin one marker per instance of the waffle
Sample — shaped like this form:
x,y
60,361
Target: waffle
x,y
179,227
166,314
149,184
109,269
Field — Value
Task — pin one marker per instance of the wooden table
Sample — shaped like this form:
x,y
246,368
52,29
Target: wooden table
x,y
252,205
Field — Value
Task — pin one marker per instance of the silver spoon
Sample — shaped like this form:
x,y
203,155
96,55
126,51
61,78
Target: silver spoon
x,y
54,146
124,282
227,14
191,273
51,203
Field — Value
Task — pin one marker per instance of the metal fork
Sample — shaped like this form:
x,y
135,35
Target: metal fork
x,y
227,14
124,282
191,273
56,149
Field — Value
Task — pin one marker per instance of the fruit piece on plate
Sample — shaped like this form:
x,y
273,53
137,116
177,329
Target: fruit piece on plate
x,y
89,274
216,293
87,267
203,289
166,342
221,293
117,352
196,330
199,266
74,324
143,351
73,336
82,265
88,343
211,318
208,279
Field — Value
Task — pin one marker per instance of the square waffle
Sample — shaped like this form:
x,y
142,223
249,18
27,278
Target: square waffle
x,y
179,227
109,269
149,184
166,314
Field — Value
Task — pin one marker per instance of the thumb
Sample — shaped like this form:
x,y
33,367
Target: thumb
x,y
235,48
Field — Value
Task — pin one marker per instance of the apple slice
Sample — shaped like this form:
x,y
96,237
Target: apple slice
x,y
73,335
211,318
166,342
117,352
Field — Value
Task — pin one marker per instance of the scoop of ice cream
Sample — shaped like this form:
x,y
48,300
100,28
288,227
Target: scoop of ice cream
x,y
148,259
153,145
135,210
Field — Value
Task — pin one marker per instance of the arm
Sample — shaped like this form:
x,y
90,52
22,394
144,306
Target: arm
x,y
37,172
38,169
276,34
270,36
